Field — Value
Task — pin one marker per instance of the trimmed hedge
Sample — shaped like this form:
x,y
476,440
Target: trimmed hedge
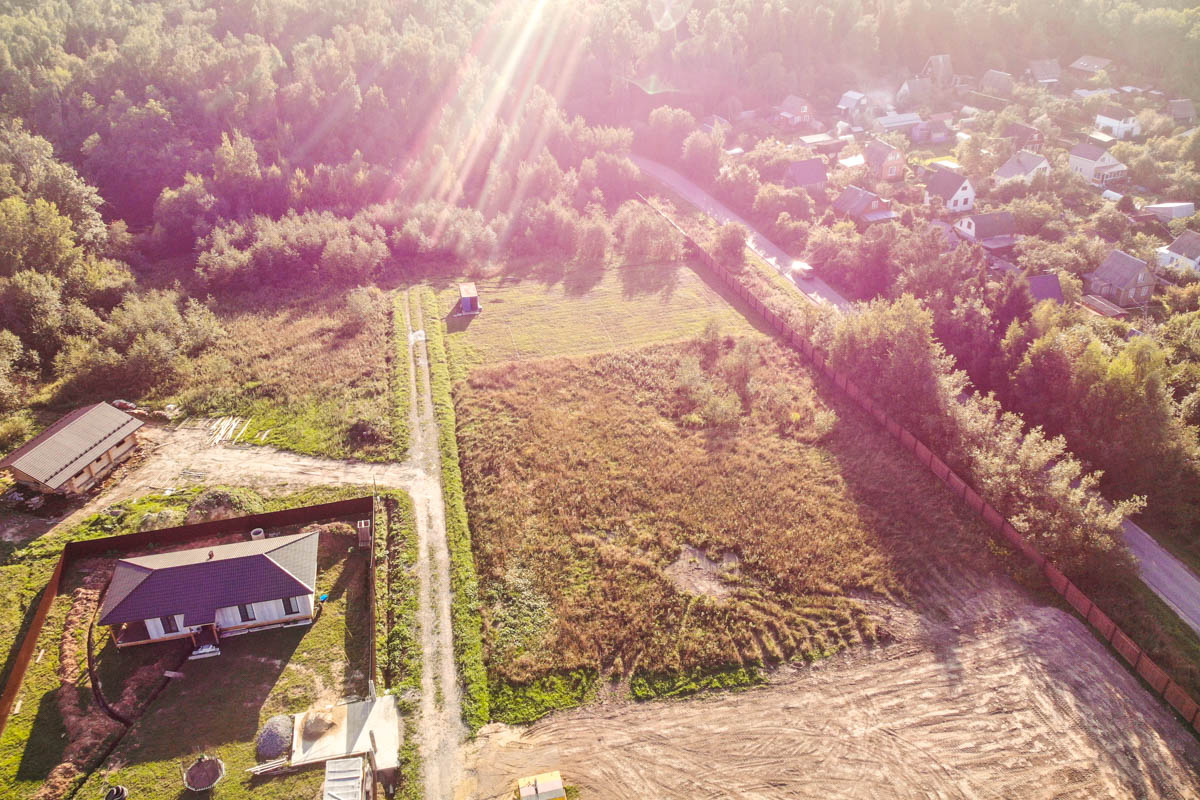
x,y
464,608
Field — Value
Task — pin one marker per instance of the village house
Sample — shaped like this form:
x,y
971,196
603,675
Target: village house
x,y
1122,279
852,106
944,231
1118,121
795,110
865,208
1095,164
914,92
206,593
807,174
951,190
1023,166
932,131
1045,287
1045,72
1101,307
1025,137
995,82
885,162
824,143
1183,253
75,453
940,70
1182,111
995,232
1089,66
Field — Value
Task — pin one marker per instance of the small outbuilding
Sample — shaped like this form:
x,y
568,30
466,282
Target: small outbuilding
x,y
468,299
73,454
547,786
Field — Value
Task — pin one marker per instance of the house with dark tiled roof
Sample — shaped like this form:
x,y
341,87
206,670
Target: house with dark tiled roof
x,y
949,189
1118,121
1183,253
994,232
807,174
885,161
914,92
76,452
1045,72
852,105
1122,279
795,110
1023,166
1025,137
865,208
995,82
1045,287
206,593
1095,164
1182,111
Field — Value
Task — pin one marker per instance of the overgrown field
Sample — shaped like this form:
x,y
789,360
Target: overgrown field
x,y
684,515
586,310
311,375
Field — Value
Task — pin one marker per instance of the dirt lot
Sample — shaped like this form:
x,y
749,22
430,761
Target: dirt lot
x,y
1004,698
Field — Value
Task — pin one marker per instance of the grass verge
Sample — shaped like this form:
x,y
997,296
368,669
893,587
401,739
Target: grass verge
x,y
464,610
396,558
648,686
401,371
515,703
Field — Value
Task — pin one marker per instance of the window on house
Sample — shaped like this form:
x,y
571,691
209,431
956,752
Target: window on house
x,y
169,625
891,172
289,606
247,613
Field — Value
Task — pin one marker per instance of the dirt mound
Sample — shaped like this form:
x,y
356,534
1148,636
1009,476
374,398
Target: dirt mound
x,y
214,504
695,573
275,740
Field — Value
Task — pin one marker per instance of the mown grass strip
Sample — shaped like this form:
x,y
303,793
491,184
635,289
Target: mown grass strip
x,y
521,703
401,366
414,310
399,642
648,686
464,610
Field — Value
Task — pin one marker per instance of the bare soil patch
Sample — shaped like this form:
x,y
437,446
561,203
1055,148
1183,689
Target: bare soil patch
x,y
1004,698
695,573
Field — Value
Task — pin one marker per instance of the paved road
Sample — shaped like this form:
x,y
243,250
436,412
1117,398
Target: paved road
x,y
1168,577
818,290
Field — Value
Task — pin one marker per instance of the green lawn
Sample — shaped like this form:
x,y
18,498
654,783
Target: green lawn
x,y
587,310
221,703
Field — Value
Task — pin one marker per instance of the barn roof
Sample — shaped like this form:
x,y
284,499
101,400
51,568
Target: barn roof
x,y
1045,70
993,224
197,582
876,152
1086,63
58,453
1021,164
1114,111
1045,287
467,290
808,172
1092,152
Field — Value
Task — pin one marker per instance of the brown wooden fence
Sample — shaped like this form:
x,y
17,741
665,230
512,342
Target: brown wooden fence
x,y
1134,656
360,508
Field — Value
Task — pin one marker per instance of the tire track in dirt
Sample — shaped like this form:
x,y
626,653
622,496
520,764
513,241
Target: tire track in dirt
x,y
1000,699
439,723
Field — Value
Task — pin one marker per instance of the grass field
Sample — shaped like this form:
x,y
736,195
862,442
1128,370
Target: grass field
x,y
591,309
309,374
683,515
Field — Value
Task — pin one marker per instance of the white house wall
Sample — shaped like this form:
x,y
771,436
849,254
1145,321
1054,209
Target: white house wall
x,y
155,630
265,612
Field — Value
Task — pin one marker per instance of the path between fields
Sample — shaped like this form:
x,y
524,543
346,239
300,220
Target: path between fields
x,y
439,722
1004,699
1167,576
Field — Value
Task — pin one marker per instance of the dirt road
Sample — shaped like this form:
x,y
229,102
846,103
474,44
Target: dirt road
x,y
1169,577
812,286
439,722
1004,699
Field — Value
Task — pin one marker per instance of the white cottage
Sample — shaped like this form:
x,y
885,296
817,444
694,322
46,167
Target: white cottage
x,y
952,190
1095,164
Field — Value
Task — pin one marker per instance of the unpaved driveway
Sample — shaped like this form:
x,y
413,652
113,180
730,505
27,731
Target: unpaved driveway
x,y
1005,699
178,457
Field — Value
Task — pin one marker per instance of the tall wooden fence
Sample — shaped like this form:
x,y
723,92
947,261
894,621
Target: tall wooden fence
x,y
1134,656
359,508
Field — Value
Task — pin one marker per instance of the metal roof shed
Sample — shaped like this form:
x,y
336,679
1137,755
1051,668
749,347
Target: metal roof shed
x,y
344,779
74,452
547,786
468,299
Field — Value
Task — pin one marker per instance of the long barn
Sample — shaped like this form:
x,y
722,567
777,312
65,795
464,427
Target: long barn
x,y
73,454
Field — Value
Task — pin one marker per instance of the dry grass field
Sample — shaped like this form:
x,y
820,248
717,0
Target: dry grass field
x,y
683,515
308,374
534,313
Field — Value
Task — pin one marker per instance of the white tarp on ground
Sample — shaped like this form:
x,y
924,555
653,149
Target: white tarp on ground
x,y
345,730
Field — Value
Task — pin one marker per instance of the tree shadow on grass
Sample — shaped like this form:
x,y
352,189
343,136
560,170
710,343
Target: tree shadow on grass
x,y
582,278
653,278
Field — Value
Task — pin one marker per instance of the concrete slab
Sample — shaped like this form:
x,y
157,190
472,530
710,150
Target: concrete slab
x,y
348,732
